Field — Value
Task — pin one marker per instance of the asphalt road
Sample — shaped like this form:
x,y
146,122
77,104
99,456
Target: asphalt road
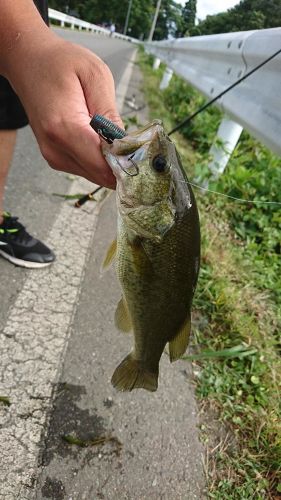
x,y
59,348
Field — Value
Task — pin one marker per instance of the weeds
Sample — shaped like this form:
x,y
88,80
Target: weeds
x,y
5,400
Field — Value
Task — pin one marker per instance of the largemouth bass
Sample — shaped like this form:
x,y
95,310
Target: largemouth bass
x,y
157,251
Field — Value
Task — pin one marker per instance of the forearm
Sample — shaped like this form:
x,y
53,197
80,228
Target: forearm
x,y
21,31
60,85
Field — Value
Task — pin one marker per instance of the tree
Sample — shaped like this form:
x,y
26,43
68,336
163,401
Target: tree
x,y
247,15
107,11
188,16
65,5
169,20
140,18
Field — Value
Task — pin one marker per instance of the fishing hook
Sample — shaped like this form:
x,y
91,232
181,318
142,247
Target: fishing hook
x,y
137,171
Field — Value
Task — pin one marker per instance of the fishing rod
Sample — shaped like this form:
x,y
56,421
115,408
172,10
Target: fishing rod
x,y
87,197
110,131
207,104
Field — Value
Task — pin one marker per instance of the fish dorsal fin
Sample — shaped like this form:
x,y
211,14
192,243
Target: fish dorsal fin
x,y
178,345
110,254
122,317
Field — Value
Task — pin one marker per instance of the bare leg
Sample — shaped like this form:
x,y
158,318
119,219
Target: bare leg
x,y
7,145
16,244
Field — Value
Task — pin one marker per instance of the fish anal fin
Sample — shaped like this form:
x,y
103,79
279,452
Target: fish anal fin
x,y
110,254
178,345
122,317
131,374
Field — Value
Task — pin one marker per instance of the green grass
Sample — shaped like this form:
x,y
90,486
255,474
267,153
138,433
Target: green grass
x,y
236,316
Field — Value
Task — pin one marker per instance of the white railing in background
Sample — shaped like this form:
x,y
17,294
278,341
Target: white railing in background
x,y
212,63
74,22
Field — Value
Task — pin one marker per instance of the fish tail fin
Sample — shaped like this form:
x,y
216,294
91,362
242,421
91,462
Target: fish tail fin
x,y
131,374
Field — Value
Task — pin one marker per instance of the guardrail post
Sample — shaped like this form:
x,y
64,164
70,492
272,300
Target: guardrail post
x,y
62,24
227,137
156,63
72,26
166,78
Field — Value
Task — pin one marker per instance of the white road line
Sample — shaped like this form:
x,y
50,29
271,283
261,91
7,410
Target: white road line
x,y
34,340
123,84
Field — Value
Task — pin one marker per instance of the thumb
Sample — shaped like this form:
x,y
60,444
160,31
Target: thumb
x,y
99,92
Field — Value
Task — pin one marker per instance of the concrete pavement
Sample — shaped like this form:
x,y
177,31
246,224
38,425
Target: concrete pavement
x,y
59,348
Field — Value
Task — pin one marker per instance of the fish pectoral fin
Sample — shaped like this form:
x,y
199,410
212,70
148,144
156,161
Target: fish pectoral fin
x,y
122,317
142,264
131,374
178,345
110,254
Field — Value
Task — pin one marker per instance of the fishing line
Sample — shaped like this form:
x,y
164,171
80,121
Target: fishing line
x,y
232,197
109,131
207,104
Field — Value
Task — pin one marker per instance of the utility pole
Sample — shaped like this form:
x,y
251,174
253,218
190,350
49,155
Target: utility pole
x,y
127,17
154,21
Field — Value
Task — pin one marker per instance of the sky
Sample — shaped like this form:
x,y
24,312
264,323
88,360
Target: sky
x,y
209,7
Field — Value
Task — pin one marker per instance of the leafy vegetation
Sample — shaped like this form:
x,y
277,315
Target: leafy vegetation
x,y
170,19
5,400
237,309
72,439
188,17
247,15
175,19
253,173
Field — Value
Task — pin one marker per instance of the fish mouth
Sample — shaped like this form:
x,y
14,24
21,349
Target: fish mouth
x,y
134,141
145,134
126,155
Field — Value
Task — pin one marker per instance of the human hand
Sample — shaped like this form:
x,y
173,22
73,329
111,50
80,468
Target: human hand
x,y
61,85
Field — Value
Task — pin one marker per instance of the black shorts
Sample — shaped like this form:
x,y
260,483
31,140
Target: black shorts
x,y
12,114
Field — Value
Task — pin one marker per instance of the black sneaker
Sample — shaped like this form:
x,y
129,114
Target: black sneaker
x,y
17,246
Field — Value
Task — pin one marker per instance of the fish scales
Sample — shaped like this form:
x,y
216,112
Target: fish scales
x,y
158,251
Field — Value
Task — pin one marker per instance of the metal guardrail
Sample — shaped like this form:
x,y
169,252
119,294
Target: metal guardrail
x,y
212,63
74,22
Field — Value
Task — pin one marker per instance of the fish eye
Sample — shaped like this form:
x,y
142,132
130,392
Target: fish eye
x,y
159,163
